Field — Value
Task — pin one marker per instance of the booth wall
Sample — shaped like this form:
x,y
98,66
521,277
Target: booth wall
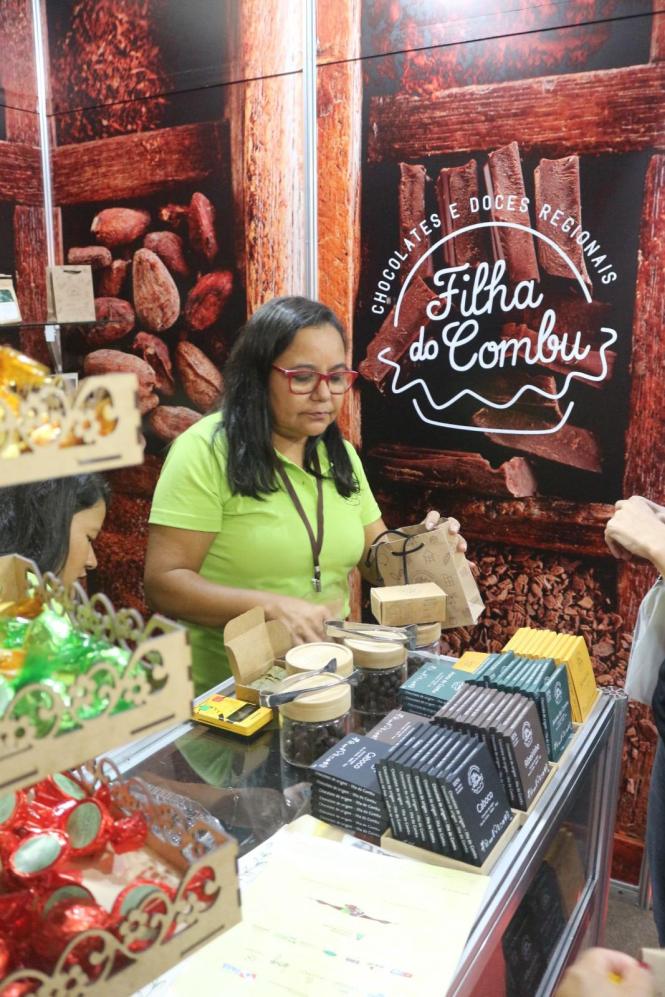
x,y
152,101
22,247
410,89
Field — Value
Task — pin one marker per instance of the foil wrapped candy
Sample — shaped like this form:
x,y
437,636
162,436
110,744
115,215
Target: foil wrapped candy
x,y
49,652
45,832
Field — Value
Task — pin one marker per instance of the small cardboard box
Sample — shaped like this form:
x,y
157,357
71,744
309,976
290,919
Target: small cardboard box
x,y
398,605
254,646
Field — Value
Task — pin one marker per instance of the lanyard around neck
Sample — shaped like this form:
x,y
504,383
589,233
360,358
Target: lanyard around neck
x,y
316,541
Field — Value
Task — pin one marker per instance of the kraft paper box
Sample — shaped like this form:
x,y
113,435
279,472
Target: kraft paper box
x,y
10,313
418,555
256,649
69,294
399,605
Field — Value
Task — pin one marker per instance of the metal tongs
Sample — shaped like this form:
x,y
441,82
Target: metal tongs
x,y
287,695
405,635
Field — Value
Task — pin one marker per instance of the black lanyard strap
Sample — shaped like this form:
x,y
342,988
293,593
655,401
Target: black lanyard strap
x,y
316,541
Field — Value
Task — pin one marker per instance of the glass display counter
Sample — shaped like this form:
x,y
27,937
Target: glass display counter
x,y
547,895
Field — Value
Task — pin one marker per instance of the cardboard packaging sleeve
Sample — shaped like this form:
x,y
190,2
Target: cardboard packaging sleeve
x,y
256,647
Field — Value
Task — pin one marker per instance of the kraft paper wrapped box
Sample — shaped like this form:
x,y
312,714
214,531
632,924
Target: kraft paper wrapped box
x,y
412,554
400,605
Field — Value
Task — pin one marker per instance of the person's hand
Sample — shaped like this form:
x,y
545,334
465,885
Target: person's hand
x,y
604,973
637,531
433,521
305,620
658,510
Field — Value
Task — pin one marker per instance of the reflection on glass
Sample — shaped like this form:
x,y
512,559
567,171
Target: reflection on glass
x,y
242,782
548,904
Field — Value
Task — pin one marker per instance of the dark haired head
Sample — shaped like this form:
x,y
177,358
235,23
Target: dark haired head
x,y
246,416
35,519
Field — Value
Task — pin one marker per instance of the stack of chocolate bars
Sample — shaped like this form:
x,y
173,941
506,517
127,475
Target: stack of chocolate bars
x,y
345,787
443,793
565,649
540,680
533,933
431,686
509,726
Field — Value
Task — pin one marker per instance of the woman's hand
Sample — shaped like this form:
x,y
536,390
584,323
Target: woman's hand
x,y
433,521
658,510
637,531
604,973
305,620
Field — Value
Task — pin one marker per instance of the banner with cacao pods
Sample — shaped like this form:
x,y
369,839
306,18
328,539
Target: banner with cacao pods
x,y
505,241
165,185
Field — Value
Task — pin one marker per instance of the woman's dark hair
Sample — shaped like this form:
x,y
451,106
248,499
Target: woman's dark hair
x,y
35,519
246,418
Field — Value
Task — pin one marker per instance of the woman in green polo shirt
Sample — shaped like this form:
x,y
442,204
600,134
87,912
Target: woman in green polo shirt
x,y
266,505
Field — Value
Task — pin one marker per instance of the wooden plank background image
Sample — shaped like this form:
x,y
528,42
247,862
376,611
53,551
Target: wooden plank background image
x,y
542,560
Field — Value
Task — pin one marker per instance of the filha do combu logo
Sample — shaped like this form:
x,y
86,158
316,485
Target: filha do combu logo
x,y
453,343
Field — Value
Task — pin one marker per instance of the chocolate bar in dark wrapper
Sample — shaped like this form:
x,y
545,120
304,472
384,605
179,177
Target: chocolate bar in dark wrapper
x,y
478,801
346,789
395,726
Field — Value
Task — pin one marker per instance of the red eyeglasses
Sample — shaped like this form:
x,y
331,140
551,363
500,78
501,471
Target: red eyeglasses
x,y
303,381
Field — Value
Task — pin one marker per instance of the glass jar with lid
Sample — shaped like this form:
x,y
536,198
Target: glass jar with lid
x,y
315,721
383,665
427,639
316,655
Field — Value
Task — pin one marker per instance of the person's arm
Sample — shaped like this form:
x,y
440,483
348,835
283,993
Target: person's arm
x,y
637,531
173,586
